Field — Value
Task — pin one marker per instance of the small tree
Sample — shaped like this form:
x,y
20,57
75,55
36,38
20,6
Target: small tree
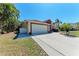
x,y
66,27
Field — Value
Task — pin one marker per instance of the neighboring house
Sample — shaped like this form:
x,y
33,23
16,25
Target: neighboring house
x,y
36,27
74,26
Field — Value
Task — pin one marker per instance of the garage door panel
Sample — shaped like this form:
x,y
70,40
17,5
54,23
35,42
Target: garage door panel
x,y
38,29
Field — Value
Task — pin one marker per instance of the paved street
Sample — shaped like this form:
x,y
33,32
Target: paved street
x,y
55,44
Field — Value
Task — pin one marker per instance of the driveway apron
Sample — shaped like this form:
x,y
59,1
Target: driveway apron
x,y
56,44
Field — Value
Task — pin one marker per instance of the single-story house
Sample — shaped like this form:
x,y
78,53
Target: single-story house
x,y
36,27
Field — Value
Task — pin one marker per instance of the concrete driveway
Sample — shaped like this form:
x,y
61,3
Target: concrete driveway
x,y
56,44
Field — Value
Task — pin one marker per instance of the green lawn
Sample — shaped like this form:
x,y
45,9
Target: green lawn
x,y
75,33
71,33
19,47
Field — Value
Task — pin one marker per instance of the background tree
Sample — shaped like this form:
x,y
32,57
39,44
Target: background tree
x,y
8,17
57,23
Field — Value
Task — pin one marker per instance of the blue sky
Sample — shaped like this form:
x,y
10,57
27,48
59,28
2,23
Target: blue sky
x,y
66,12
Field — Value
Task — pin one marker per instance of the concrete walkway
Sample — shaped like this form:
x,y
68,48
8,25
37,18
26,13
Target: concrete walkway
x,y
55,44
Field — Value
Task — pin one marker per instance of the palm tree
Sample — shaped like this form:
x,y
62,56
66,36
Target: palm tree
x,y
57,23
